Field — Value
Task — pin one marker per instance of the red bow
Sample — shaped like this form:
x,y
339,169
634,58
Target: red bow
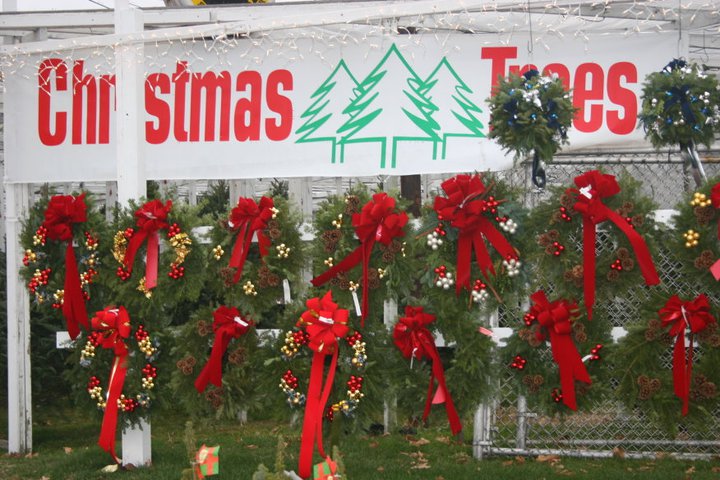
x,y
149,218
464,209
593,186
680,316
413,339
249,218
555,318
61,213
114,324
227,324
376,222
325,323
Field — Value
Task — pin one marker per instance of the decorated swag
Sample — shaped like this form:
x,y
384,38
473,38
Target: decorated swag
x,y
61,238
696,237
120,373
670,358
531,113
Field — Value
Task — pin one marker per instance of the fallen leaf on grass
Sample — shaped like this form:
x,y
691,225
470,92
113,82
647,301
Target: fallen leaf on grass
x,y
661,455
618,452
373,444
251,447
419,442
548,459
109,469
715,469
520,460
443,439
440,478
690,470
31,455
461,458
381,468
507,463
44,478
68,450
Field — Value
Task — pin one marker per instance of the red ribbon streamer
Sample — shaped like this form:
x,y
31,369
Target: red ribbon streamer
x,y
464,209
61,213
555,318
114,324
413,339
325,323
715,198
593,187
376,222
249,218
227,324
680,315
149,218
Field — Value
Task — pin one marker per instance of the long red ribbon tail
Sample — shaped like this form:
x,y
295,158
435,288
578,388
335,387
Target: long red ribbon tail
x,y
438,373
681,372
496,239
570,365
109,423
482,256
151,265
642,253
135,242
589,264
212,372
367,247
345,265
317,397
240,250
73,308
464,257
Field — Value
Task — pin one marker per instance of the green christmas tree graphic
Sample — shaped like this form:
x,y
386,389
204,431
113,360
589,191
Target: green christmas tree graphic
x,y
390,104
457,114
325,115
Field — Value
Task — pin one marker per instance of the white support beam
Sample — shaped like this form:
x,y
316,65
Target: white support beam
x,y
18,325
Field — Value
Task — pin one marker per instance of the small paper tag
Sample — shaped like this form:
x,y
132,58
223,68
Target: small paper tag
x,y
715,270
241,321
485,331
586,358
358,310
326,320
287,299
585,191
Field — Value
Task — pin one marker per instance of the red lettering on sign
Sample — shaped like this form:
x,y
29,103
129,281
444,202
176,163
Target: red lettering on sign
x,y
210,83
180,79
157,131
84,91
279,128
585,91
248,110
498,57
107,85
45,90
622,97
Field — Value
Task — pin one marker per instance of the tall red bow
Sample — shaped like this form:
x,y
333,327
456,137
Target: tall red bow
x,y
593,186
61,213
324,323
555,318
149,218
414,340
679,316
227,324
715,198
377,222
464,209
249,218
114,324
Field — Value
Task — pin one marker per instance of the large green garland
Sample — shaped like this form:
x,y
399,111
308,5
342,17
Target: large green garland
x,y
680,105
531,112
646,376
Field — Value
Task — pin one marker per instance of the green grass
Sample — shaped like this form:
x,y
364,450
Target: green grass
x,y
366,457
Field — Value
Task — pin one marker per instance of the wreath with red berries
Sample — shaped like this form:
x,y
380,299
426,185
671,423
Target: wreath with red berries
x,y
56,224
96,364
294,345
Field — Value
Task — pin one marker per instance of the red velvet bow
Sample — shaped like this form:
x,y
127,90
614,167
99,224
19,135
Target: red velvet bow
x,y
114,324
679,316
227,324
325,323
555,318
249,218
149,218
376,222
464,209
593,186
413,339
61,213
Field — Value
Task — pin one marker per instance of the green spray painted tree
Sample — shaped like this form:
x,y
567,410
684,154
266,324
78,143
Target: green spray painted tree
x,y
390,106
325,115
457,113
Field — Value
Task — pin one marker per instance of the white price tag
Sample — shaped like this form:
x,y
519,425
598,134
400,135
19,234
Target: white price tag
x,y
287,299
358,310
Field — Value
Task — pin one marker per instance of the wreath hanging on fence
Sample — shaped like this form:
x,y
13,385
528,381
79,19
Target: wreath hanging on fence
x,y
531,113
60,239
670,360
696,236
257,255
118,363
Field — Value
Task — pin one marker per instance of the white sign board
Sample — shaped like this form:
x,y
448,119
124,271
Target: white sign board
x,y
405,104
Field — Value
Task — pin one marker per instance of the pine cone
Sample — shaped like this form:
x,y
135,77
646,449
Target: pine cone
x,y
613,275
554,235
704,214
567,200
569,276
388,256
651,335
273,280
273,225
638,220
227,275
237,356
628,264
581,337
544,240
705,260
274,233
623,253
556,217
203,329
352,204
577,271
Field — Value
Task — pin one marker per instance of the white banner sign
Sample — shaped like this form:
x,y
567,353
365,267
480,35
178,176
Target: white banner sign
x,y
405,104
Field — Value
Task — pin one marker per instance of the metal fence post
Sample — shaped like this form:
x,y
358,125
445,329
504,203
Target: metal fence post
x,y
521,433
390,315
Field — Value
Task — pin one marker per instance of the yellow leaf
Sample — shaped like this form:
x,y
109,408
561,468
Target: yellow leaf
x,y
68,450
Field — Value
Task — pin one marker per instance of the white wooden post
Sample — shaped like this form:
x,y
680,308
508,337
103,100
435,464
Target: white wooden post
x,y
111,199
131,177
390,316
300,192
17,203
484,415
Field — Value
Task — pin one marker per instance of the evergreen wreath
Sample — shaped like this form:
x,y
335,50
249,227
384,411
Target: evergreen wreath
x,y
680,105
74,224
531,113
646,372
